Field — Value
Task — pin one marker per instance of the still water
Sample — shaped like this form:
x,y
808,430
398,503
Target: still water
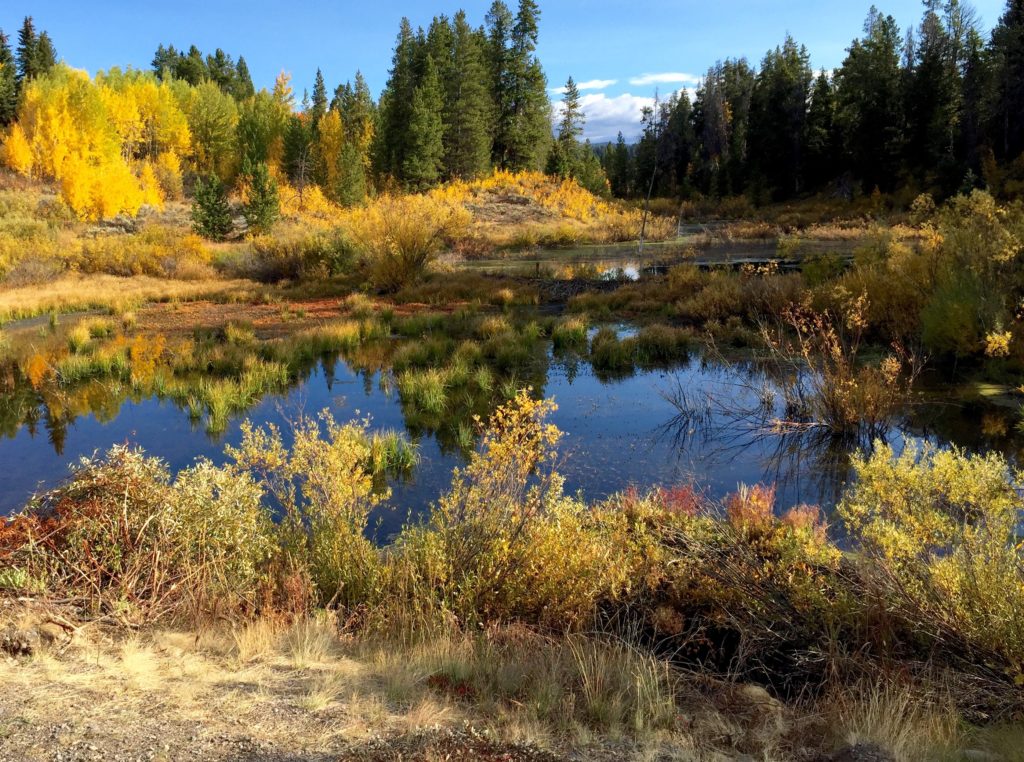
x,y
693,422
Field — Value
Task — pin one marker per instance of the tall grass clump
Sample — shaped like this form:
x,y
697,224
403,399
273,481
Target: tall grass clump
x,y
570,334
426,390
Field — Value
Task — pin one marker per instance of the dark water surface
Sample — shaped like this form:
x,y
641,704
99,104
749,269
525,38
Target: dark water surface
x,y
619,432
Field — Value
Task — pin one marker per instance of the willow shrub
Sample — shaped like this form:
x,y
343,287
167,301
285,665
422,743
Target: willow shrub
x,y
505,544
399,236
324,487
137,545
942,530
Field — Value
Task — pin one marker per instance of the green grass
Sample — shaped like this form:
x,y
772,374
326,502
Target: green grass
x,y
426,390
392,453
570,334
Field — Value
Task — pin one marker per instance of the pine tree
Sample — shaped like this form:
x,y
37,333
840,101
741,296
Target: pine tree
x,y
164,61
618,168
243,81
299,159
467,106
46,54
28,45
396,103
211,213
566,158
421,167
191,67
318,106
523,111
869,104
262,205
1008,80
8,82
778,117
351,183
221,71
931,97
823,140
977,83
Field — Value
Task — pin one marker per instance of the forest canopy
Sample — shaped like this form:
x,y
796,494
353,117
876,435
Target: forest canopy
x,y
938,109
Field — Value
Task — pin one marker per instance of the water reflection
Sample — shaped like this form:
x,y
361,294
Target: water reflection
x,y
701,421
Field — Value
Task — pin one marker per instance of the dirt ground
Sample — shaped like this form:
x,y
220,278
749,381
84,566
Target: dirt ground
x,y
164,699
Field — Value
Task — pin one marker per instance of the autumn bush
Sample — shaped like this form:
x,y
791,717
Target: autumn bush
x,y
156,250
295,256
398,236
940,534
136,545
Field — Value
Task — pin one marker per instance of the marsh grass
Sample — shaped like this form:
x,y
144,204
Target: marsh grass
x,y
425,389
570,334
392,453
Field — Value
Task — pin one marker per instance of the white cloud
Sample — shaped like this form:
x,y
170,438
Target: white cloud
x,y
665,78
608,115
597,84
590,84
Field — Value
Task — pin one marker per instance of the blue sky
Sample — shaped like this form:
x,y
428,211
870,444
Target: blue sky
x,y
623,50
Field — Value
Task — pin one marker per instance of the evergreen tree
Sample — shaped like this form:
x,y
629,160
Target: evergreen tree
x,y
523,111
220,69
1008,83
931,97
351,184
588,171
299,159
46,54
618,168
8,82
678,146
28,46
566,158
191,67
164,61
467,106
778,118
424,157
821,159
262,205
976,85
243,81
869,105
396,105
211,213
318,107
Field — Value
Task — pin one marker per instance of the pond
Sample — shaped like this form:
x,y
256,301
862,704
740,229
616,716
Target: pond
x,y
625,261
690,422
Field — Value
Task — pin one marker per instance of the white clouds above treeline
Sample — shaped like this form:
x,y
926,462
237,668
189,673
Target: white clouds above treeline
x,y
608,115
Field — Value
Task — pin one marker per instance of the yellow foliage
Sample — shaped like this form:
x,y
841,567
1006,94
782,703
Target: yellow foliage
x,y
307,204
998,344
152,192
168,172
80,133
17,153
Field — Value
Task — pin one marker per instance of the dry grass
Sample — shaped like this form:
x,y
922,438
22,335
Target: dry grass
x,y
71,293
909,724
277,689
